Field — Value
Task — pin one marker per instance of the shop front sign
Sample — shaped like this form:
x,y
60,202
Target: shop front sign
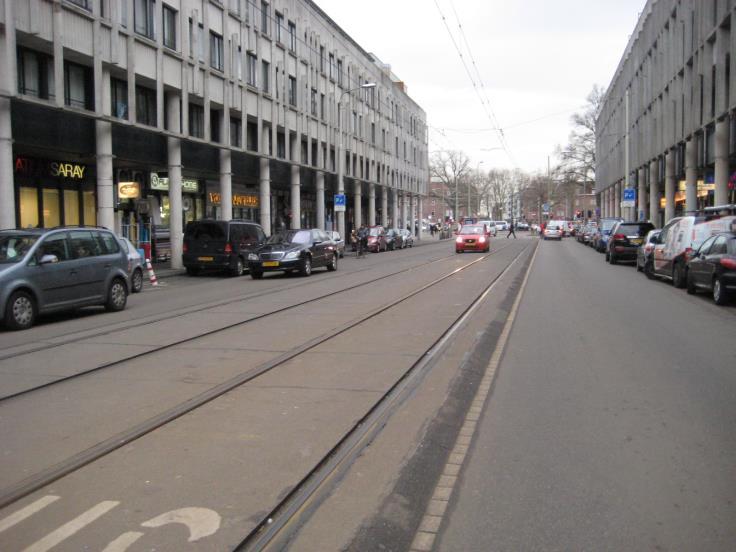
x,y
239,200
161,184
129,190
28,166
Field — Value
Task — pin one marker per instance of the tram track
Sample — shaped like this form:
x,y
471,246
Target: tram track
x,y
34,482
256,318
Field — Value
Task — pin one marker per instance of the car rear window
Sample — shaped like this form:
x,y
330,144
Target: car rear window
x,y
205,231
471,230
639,230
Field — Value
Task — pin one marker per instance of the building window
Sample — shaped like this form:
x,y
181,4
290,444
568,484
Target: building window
x,y
119,98
216,58
279,26
373,133
169,21
339,72
143,15
145,106
196,121
196,41
252,135
265,74
35,74
292,91
251,73
215,125
313,102
235,6
331,68
78,86
281,145
292,36
86,4
322,106
264,17
237,63
322,59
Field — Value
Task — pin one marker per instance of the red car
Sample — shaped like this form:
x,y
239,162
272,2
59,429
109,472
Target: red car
x,y
473,238
377,239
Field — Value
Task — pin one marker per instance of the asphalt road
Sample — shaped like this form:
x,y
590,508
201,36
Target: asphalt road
x,y
611,425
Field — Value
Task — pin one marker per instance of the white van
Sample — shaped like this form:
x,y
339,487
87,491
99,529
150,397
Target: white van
x,y
678,239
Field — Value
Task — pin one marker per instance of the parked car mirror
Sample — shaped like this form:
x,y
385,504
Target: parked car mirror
x,y
48,259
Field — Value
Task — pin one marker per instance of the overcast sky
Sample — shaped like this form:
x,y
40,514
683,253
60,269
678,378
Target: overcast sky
x,y
536,58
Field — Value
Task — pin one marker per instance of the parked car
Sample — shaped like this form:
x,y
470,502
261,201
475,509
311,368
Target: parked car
x,y
394,239
602,232
625,239
646,249
293,251
377,239
501,225
679,238
407,238
522,226
490,225
135,265
339,242
713,267
552,232
219,244
48,270
472,238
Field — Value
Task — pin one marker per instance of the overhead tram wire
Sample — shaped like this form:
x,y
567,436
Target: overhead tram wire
x,y
484,102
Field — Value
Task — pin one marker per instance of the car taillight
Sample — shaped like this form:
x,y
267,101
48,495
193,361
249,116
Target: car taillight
x,y
619,236
459,239
184,248
228,248
730,264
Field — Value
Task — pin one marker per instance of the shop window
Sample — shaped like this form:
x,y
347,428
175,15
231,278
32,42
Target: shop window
x,y
51,208
145,106
143,14
236,132
28,207
78,86
196,121
169,27
119,98
216,51
35,74
89,206
71,207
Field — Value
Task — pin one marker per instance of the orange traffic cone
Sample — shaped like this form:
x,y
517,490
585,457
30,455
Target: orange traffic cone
x,y
151,274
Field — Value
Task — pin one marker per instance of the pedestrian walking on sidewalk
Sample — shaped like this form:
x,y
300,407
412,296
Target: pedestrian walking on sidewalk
x,y
511,230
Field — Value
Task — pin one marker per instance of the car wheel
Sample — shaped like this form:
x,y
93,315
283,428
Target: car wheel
x,y
117,296
256,274
691,288
136,281
306,268
239,268
638,265
192,271
20,312
612,259
649,269
458,251
332,265
720,295
678,276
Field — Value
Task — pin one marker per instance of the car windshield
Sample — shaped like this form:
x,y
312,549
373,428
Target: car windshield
x,y
14,247
291,236
206,231
374,232
472,230
638,230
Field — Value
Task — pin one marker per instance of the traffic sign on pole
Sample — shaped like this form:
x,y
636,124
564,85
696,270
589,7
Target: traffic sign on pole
x,y
339,202
629,199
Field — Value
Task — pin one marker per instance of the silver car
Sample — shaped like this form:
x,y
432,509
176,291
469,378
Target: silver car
x,y
43,271
135,265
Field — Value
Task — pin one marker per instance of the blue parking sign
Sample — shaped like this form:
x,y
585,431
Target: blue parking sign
x,y
340,202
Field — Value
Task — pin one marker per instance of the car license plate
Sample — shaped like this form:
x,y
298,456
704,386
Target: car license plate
x,y
637,241
206,259
270,263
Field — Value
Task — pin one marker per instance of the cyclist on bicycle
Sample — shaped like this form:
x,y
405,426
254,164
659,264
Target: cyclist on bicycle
x,y
362,240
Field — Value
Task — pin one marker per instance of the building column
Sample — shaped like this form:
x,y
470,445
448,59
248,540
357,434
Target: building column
x,y
420,217
412,213
176,223
226,184
617,200
721,162
296,198
669,186
691,177
654,193
396,208
641,196
105,214
609,201
265,195
384,206
371,204
7,189
320,200
358,203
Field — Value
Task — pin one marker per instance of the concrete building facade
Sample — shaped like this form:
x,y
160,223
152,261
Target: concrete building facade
x,y
123,112
667,126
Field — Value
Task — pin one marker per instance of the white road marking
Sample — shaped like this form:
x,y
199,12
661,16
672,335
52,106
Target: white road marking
x,y
70,528
26,512
123,542
201,522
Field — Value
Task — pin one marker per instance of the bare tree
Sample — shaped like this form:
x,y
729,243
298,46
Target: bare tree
x,y
452,169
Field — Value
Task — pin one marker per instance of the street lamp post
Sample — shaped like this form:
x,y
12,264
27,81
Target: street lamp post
x,y
340,215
